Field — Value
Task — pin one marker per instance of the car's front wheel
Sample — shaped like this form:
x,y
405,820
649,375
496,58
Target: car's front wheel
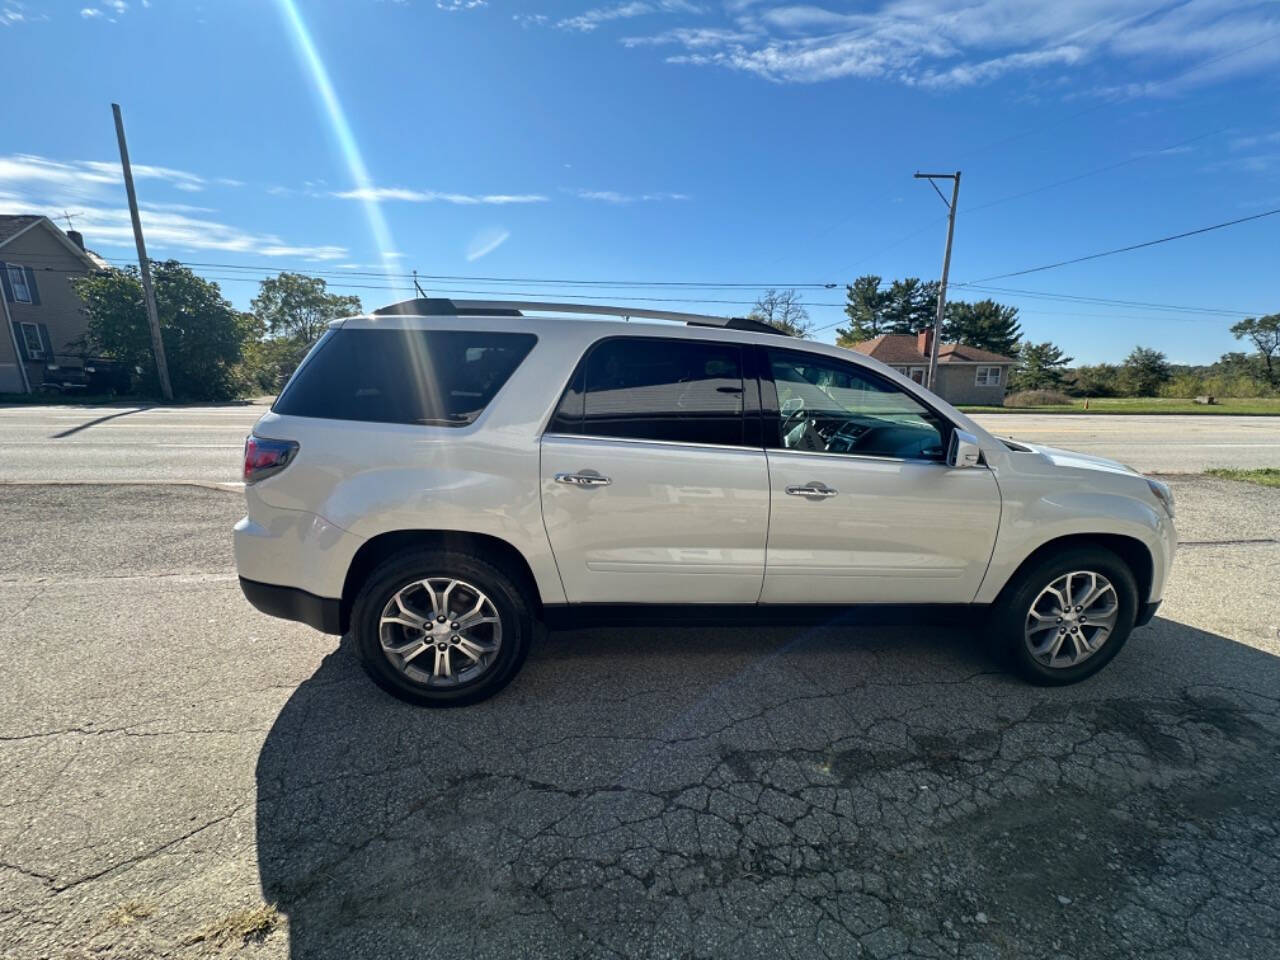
x,y
440,628
1065,617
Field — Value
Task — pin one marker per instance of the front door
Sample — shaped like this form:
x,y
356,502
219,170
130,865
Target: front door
x,y
864,508
650,491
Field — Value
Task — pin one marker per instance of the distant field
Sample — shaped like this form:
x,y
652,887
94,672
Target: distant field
x,y
1121,405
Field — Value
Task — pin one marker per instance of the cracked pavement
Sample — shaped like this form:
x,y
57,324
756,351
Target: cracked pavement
x,y
833,791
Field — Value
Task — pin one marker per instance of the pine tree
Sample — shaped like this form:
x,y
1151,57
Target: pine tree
x,y
1040,366
864,306
911,305
986,324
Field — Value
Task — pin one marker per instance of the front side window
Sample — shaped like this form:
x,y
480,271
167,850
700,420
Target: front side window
x,y
988,377
18,284
825,406
641,388
31,340
428,377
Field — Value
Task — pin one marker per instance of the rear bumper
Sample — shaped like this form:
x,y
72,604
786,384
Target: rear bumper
x,y
290,603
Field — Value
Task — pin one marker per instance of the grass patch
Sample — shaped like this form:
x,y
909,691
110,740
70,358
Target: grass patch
x,y
129,913
1262,476
1237,406
241,926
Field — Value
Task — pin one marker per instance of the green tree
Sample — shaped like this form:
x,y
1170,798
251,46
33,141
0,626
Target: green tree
x,y
785,310
1096,380
864,306
910,305
204,336
1040,366
1144,372
1265,334
299,307
986,324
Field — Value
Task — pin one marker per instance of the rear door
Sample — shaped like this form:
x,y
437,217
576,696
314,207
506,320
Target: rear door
x,y
655,487
864,508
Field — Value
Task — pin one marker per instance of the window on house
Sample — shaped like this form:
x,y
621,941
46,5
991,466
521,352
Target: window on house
x,y
987,377
917,374
18,284
31,339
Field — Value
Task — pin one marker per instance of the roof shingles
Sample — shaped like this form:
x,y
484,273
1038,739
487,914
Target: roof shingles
x,y
902,349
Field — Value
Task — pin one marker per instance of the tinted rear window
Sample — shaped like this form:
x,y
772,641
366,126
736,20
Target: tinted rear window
x,y
435,377
648,389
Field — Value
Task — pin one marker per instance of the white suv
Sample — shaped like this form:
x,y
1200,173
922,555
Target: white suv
x,y
440,476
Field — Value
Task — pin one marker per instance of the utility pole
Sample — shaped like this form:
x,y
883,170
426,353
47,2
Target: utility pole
x,y
148,291
946,265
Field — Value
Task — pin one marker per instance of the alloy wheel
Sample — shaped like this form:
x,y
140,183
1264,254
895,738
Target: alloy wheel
x,y
1071,619
440,632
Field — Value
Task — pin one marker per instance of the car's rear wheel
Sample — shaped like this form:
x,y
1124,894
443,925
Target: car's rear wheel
x,y
1065,617
441,628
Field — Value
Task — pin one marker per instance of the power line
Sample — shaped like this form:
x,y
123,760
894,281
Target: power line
x,y
986,148
344,278
268,269
1133,246
1104,301
1091,173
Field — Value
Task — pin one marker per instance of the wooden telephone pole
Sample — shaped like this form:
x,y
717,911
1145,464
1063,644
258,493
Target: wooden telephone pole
x,y
148,291
946,266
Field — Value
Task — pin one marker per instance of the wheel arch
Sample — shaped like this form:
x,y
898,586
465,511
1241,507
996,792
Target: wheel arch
x,y
377,549
1136,555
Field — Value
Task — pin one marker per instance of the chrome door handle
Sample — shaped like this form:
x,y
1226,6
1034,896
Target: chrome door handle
x,y
584,479
814,490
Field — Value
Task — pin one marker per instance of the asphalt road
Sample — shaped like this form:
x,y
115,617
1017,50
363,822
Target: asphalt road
x,y
172,761
120,444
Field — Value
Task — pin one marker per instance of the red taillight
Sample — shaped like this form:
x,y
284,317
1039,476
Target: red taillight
x,y
264,458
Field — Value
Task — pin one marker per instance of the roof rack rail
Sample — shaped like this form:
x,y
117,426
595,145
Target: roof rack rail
x,y
441,306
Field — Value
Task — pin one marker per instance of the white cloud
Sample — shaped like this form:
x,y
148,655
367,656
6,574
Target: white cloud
x,y
142,171
948,43
615,197
378,194
95,191
485,242
12,12
109,10
452,6
589,20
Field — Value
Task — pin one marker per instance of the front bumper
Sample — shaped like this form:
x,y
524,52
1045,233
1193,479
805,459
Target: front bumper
x,y
1146,613
290,603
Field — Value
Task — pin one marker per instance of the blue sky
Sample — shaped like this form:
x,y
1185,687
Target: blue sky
x,y
728,141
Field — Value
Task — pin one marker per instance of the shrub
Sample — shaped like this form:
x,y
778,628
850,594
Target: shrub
x,y
1037,398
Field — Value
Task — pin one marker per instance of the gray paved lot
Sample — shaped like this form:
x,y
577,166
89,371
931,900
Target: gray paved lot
x,y
170,759
121,444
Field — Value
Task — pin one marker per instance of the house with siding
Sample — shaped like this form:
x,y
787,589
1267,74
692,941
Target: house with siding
x,y
42,314
966,375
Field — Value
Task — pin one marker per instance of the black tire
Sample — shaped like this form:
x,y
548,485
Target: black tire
x,y
1011,613
389,578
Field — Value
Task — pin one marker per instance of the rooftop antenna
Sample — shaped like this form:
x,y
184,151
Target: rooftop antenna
x,y
67,217
417,286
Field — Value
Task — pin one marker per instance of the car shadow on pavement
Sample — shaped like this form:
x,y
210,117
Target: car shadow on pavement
x,y
828,791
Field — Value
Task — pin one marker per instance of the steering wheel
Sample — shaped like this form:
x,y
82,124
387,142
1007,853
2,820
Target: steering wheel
x,y
791,418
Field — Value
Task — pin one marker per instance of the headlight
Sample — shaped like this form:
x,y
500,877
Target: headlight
x,y
1163,494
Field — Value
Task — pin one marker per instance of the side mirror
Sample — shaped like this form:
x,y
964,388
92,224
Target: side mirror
x,y
964,451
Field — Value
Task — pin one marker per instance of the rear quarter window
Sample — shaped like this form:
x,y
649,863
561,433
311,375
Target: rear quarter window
x,y
429,377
